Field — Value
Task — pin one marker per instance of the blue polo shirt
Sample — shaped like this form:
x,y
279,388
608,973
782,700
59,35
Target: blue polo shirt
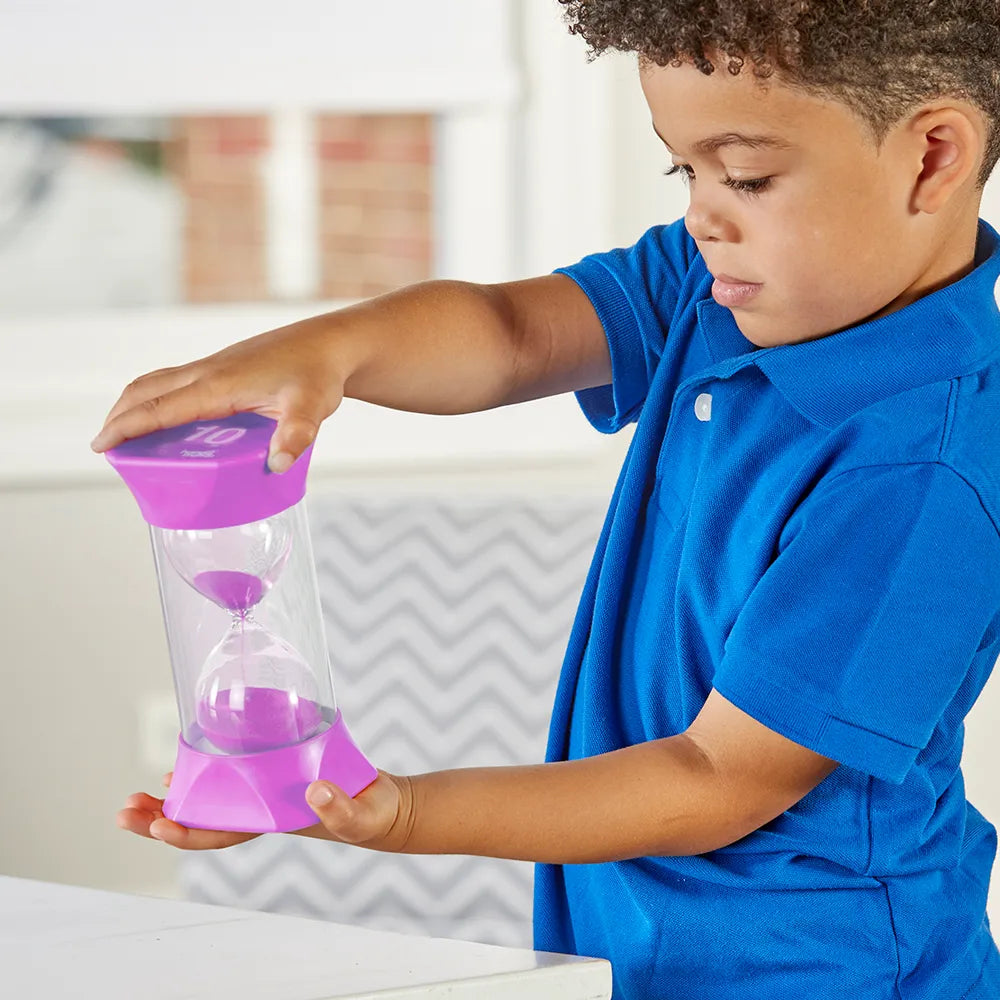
x,y
811,529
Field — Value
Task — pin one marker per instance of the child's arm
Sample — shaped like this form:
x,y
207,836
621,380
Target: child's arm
x,y
437,347
725,777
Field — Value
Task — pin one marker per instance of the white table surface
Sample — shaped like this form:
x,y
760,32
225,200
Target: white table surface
x,y
59,942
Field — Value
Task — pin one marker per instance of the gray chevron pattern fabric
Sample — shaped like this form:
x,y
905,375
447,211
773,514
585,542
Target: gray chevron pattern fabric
x,y
447,620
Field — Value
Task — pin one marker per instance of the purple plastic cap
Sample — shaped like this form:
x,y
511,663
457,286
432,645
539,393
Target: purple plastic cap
x,y
209,474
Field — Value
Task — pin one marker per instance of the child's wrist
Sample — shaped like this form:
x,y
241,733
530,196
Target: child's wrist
x,y
399,837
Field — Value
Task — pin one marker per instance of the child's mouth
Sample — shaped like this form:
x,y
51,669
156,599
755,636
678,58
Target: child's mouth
x,y
731,294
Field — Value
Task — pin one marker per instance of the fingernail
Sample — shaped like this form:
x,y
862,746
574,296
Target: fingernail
x,y
280,462
320,795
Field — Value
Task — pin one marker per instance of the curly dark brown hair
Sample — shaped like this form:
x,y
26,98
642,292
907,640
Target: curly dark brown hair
x,y
880,58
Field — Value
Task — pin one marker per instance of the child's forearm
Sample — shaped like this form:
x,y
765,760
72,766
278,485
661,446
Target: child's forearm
x,y
437,347
657,798
455,347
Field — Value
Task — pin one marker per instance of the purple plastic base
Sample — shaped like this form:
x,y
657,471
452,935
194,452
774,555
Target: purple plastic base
x,y
263,792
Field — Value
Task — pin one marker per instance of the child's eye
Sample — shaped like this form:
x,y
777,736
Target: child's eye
x,y
756,185
681,169
753,186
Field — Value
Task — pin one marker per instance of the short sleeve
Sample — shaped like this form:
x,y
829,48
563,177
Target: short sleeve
x,y
635,292
861,631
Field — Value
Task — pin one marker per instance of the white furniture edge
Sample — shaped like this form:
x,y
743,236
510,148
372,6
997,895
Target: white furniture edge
x,y
69,941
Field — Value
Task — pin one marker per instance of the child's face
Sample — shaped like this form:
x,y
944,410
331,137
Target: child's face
x,y
830,237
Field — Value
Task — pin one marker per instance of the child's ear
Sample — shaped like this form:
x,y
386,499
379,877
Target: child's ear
x,y
950,142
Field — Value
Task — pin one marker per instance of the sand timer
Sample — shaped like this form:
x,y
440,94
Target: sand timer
x,y
240,600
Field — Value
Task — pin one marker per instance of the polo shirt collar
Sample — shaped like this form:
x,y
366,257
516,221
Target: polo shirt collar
x,y
946,333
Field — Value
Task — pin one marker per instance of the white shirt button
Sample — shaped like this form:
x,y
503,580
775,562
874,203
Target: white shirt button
x,y
703,406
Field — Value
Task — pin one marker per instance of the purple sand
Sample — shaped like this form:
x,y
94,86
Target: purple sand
x,y
230,588
269,718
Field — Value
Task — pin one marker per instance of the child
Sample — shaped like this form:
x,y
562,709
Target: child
x,y
753,787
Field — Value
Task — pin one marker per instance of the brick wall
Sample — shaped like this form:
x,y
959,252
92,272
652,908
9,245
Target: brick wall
x,y
217,162
374,210
375,202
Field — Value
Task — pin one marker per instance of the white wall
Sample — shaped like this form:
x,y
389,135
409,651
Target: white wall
x,y
63,57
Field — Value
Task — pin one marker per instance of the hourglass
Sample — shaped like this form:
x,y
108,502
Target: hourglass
x,y
255,691
244,627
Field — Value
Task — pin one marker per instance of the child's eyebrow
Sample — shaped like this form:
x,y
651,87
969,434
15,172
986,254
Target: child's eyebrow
x,y
722,139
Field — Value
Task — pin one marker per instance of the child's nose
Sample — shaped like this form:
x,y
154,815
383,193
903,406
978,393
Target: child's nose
x,y
704,223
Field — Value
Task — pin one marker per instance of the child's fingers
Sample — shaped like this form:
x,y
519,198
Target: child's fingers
x,y
177,403
147,386
152,414
135,821
140,800
143,815
337,811
365,819
190,839
294,433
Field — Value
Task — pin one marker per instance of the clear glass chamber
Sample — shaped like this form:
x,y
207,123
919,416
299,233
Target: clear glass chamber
x,y
245,632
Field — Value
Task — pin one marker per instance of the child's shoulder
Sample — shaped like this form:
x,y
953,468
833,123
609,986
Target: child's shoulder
x,y
952,424
665,250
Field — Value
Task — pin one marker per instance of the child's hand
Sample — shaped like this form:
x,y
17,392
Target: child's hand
x,y
290,374
143,815
379,818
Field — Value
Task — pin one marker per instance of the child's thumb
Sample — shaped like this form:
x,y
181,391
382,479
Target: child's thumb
x,y
291,437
